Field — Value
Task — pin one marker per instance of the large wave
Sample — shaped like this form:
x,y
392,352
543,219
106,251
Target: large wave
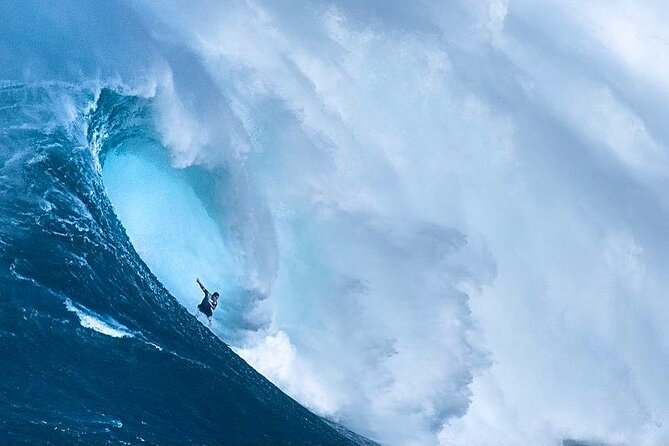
x,y
432,222
95,350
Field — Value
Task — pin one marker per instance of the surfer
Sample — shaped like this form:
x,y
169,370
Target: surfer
x,y
209,302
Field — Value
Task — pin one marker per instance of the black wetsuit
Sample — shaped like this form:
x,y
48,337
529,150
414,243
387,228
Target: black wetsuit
x,y
207,305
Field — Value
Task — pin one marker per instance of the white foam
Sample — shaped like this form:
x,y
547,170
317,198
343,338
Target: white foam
x,y
91,320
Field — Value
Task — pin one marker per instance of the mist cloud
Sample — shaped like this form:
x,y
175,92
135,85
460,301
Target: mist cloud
x,y
468,213
450,218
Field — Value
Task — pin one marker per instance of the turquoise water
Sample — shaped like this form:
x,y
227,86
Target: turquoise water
x,y
94,349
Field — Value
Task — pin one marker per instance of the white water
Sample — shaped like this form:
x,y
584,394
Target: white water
x,y
105,326
444,222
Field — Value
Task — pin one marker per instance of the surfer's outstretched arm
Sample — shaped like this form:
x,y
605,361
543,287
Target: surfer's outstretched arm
x,y
204,290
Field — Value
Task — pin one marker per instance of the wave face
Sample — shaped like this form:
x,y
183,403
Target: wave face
x,y
94,349
434,222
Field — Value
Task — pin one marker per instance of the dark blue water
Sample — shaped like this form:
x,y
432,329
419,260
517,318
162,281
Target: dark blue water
x,y
93,349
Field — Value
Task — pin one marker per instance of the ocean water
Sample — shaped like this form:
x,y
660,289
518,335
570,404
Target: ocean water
x,y
431,222
94,349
